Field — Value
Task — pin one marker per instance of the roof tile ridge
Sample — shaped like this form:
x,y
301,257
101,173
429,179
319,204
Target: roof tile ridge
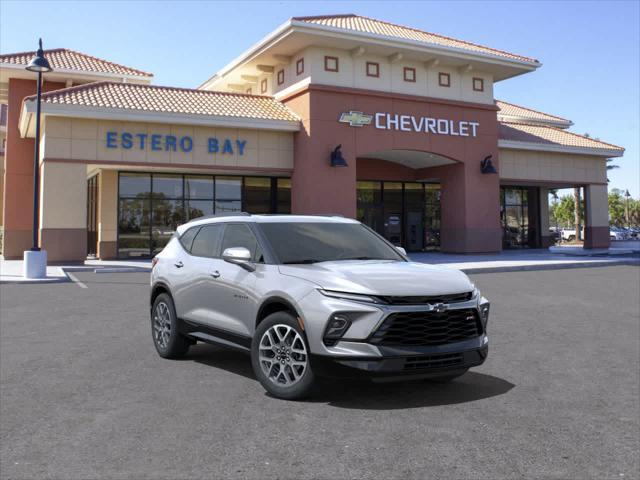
x,y
449,38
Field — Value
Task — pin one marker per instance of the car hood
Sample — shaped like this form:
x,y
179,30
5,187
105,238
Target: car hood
x,y
382,277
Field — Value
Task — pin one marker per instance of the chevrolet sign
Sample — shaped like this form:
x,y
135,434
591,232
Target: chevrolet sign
x,y
355,119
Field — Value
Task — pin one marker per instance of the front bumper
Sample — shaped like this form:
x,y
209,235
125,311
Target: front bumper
x,y
416,362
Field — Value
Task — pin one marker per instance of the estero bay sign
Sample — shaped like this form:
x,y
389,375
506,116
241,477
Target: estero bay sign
x,y
171,143
411,123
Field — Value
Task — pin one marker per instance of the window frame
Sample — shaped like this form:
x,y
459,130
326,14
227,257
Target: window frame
x,y
480,81
280,76
407,70
218,252
442,82
263,85
327,59
300,66
377,67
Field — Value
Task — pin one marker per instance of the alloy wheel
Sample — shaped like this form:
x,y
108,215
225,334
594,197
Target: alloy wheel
x,y
162,325
283,355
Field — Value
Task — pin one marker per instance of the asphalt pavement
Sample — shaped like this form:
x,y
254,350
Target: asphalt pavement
x,y
84,394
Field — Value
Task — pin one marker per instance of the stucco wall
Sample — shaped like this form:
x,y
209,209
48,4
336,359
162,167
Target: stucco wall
x,y
352,73
85,140
551,167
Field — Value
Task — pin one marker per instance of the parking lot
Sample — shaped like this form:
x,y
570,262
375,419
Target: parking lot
x,y
84,394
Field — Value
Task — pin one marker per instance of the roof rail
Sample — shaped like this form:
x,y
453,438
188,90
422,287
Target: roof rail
x,y
221,215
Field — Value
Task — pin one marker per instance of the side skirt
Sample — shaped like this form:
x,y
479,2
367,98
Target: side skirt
x,y
215,336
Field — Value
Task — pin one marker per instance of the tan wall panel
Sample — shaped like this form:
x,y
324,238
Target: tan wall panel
x,y
63,195
108,206
597,205
81,139
552,167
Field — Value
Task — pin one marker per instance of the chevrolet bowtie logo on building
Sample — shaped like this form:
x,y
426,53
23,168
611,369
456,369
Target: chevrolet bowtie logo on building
x,y
356,119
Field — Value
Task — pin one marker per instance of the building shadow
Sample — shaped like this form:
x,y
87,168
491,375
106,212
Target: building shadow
x,y
364,394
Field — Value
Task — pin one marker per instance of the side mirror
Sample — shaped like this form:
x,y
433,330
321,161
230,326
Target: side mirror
x,y
239,256
402,251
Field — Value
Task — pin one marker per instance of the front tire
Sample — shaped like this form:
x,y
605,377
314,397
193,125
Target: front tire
x,y
280,357
168,341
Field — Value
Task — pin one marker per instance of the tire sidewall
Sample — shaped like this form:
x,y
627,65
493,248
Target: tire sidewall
x,y
176,346
301,389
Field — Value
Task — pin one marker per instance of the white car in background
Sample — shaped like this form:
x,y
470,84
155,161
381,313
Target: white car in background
x,y
618,234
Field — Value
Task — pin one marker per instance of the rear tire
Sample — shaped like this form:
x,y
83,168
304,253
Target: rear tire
x,y
280,357
168,341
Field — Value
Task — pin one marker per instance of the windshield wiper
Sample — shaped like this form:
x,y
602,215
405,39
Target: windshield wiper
x,y
302,262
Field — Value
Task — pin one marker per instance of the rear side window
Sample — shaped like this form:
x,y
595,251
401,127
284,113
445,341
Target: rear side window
x,y
187,238
207,242
242,236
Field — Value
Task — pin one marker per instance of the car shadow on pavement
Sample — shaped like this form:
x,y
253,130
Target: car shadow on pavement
x,y
367,395
219,357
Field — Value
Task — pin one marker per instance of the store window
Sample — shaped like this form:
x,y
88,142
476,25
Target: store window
x,y
405,213
151,206
519,217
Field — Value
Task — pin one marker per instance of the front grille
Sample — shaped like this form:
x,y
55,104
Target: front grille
x,y
427,328
434,361
422,300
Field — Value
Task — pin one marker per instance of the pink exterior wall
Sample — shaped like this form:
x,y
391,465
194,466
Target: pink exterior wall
x,y
470,200
18,178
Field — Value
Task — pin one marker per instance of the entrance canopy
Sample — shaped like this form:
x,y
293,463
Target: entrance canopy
x,y
410,158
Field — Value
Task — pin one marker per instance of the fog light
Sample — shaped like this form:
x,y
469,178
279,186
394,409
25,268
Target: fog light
x,y
337,325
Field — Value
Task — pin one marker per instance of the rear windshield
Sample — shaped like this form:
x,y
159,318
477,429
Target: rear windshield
x,y
295,243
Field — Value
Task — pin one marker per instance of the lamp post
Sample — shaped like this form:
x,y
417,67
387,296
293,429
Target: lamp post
x,y
35,260
626,208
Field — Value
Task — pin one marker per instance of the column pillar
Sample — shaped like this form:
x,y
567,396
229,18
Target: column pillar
x,y
470,209
316,186
546,240
63,211
107,214
596,216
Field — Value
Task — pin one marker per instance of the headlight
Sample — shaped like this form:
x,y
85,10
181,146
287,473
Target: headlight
x,y
483,310
337,326
357,297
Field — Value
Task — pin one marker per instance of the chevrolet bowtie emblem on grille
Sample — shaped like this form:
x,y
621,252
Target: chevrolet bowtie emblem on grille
x,y
439,307
356,119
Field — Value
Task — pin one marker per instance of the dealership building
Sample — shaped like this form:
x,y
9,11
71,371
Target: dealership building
x,y
339,114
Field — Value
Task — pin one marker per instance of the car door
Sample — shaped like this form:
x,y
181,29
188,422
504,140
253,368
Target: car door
x,y
192,294
234,300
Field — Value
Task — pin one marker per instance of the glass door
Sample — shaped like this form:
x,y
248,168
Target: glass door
x,y
92,216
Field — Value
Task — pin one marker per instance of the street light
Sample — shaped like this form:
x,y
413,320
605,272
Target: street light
x,y
35,260
626,208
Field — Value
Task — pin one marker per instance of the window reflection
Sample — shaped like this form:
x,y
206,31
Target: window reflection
x,y
152,206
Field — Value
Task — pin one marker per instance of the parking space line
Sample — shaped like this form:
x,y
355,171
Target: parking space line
x,y
75,280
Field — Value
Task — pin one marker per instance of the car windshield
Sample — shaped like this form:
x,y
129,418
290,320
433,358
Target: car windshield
x,y
299,243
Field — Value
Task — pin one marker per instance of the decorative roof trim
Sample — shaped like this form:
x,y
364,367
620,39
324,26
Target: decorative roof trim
x,y
445,37
545,147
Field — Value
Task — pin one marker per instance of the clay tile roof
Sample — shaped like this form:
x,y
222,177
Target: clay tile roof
x,y
512,110
151,98
370,25
517,132
65,59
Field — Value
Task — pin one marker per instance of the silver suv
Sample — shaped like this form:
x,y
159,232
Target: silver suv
x,y
311,296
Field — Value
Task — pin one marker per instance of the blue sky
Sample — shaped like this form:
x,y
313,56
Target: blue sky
x,y
589,50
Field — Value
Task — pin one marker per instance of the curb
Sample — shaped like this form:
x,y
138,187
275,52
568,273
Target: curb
x,y
562,266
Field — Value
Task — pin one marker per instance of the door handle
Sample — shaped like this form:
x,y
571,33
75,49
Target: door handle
x,y
215,274
179,265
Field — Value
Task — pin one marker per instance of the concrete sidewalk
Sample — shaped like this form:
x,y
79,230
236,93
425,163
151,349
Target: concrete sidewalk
x,y
506,261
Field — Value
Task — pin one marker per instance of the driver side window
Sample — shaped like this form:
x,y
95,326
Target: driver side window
x,y
236,235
